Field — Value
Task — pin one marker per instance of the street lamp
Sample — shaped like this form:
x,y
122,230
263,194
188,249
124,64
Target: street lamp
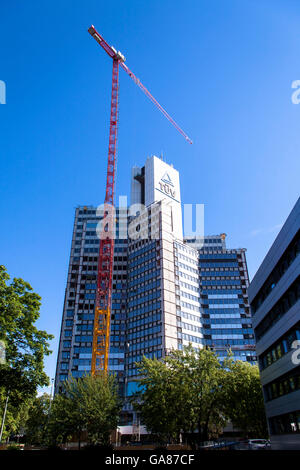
x,y
4,416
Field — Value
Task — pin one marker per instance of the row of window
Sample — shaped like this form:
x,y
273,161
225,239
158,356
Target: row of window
x,y
188,277
143,321
220,291
213,282
189,316
226,337
286,384
226,317
135,245
150,355
225,312
141,316
222,301
209,240
190,296
188,268
87,250
233,342
141,260
144,332
232,331
144,299
219,256
89,241
86,211
145,344
188,326
84,327
140,278
191,338
136,253
281,347
282,306
189,286
214,306
183,249
288,423
218,265
144,287
220,273
189,306
281,267
189,260
143,269
83,338
228,320
133,311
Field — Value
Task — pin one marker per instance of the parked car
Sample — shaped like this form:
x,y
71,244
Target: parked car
x,y
257,444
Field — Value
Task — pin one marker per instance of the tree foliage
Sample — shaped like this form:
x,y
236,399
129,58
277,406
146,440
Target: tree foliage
x,y
163,400
192,391
244,398
25,344
16,416
35,428
89,404
22,369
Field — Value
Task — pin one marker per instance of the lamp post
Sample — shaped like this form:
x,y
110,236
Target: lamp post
x,y
127,345
51,395
4,416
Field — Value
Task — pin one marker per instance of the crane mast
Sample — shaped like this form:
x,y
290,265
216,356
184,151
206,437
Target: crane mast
x,y
101,330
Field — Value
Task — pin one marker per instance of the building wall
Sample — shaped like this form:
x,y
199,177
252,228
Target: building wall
x,y
189,317
274,295
225,315
158,181
75,346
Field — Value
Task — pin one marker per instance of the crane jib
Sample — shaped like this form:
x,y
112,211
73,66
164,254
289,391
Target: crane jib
x,y
101,329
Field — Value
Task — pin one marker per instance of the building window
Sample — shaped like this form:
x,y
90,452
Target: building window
x,y
280,348
285,424
286,384
281,267
288,299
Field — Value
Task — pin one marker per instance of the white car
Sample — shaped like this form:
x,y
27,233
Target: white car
x,y
257,444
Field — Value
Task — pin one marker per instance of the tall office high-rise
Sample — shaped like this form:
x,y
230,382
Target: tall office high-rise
x,y
75,347
143,320
168,291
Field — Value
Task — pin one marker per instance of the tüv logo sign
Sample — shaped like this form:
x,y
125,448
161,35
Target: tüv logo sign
x,y
166,185
2,92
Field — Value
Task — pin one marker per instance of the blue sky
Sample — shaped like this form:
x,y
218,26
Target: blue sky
x,y
223,70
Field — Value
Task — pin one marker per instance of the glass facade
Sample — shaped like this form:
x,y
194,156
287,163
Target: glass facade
x,y
225,315
205,287
75,350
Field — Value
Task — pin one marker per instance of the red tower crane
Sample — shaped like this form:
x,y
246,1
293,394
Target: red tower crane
x,y
101,331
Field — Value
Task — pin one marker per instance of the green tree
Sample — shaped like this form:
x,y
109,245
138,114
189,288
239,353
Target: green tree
x,y
244,398
89,404
25,345
16,416
183,392
162,401
64,421
203,376
35,427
